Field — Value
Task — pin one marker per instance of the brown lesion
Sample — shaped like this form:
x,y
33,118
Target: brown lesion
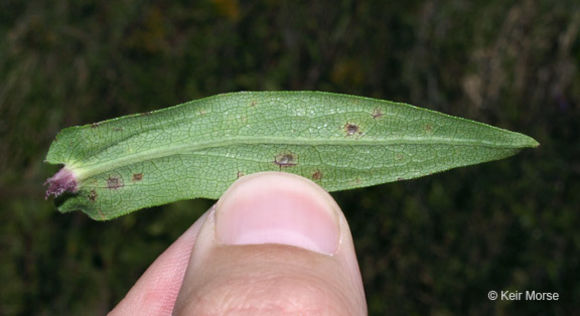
x,y
286,159
114,183
351,129
239,174
93,195
428,128
253,103
377,113
137,177
317,175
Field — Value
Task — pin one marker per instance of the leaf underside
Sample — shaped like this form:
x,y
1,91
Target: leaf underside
x,y
199,148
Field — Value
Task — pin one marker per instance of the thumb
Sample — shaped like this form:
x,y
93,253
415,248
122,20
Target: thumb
x,y
275,243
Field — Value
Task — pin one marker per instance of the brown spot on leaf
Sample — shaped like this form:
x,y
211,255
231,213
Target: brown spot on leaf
x,y
114,183
93,195
317,175
377,113
351,129
286,160
137,177
240,174
428,128
95,125
253,103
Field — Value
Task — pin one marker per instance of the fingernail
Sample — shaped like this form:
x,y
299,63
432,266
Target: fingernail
x,y
276,208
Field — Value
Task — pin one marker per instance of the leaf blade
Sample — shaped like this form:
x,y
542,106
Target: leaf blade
x,y
197,149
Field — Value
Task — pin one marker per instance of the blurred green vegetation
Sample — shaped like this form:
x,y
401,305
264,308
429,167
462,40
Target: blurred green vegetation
x,y
435,245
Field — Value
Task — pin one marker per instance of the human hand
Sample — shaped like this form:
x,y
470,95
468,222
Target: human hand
x,y
275,243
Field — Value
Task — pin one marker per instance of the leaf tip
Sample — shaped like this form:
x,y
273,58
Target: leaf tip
x,y
531,143
523,141
63,181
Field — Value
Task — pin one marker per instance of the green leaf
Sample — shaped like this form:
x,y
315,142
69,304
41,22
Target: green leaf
x,y
197,149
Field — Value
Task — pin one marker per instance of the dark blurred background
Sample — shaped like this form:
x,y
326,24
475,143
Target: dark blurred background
x,y
434,245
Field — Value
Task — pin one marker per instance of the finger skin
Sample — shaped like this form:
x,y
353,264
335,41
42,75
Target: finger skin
x,y
156,290
271,279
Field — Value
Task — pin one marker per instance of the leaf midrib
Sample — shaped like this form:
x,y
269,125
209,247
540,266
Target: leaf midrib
x,y
84,172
